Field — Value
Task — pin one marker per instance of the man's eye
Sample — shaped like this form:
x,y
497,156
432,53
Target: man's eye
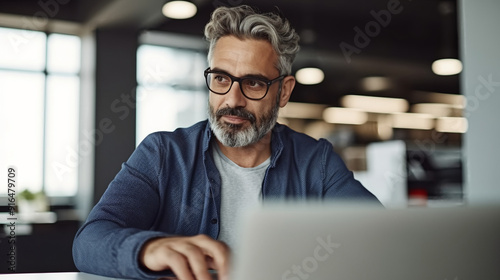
x,y
221,78
255,84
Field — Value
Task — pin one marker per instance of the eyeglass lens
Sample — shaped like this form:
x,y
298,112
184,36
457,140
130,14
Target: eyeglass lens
x,y
221,83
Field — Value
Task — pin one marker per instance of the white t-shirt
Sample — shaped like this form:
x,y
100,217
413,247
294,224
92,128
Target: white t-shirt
x,y
241,190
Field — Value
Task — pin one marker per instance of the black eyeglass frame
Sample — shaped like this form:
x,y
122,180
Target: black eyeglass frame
x,y
236,79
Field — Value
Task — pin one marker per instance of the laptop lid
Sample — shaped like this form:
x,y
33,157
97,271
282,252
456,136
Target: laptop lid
x,y
297,242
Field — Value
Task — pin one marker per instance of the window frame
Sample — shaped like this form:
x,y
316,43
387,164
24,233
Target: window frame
x,y
190,43
63,28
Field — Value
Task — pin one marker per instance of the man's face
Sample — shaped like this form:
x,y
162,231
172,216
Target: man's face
x,y
236,120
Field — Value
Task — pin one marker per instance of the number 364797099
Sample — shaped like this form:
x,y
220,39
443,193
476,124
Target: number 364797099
x,y
11,189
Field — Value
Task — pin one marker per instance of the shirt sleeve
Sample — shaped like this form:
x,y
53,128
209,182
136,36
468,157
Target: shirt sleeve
x,y
110,240
339,181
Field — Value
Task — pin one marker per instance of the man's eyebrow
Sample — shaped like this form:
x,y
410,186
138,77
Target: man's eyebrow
x,y
258,76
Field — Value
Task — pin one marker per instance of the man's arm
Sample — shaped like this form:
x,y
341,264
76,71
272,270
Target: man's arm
x,y
117,240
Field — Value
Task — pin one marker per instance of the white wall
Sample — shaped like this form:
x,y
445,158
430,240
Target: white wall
x,y
480,43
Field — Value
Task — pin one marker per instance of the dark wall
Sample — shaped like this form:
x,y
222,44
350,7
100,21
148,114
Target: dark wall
x,y
46,249
115,103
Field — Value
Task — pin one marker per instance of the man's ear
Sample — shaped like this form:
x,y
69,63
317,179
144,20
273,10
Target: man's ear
x,y
286,90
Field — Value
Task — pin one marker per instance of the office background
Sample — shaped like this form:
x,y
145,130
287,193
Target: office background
x,y
139,71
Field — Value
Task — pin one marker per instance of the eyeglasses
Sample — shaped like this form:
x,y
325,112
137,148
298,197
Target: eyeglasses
x,y
254,88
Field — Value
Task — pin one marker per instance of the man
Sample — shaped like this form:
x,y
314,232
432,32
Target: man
x,y
175,204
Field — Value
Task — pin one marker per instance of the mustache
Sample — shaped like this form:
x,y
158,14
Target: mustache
x,y
238,112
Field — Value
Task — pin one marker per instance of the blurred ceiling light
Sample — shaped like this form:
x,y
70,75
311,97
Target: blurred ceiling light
x,y
179,9
412,121
447,66
344,116
302,111
375,104
447,63
309,76
456,100
384,127
437,110
375,83
452,125
452,99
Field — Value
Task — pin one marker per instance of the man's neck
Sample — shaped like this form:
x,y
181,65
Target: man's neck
x,y
251,155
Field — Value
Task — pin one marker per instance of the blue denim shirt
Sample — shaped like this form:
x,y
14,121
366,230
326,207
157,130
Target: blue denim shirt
x,y
170,186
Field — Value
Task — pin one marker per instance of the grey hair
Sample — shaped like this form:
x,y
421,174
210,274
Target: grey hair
x,y
245,23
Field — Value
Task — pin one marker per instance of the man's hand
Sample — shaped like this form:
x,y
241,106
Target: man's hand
x,y
188,257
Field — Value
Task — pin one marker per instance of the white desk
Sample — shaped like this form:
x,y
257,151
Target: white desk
x,y
62,276
54,276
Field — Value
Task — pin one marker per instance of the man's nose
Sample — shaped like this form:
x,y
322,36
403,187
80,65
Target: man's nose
x,y
235,98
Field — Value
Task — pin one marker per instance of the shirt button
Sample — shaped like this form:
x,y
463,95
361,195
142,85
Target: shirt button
x,y
213,221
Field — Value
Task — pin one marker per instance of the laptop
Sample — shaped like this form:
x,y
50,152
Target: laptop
x,y
303,241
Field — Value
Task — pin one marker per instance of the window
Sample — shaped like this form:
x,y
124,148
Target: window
x,y
39,109
171,88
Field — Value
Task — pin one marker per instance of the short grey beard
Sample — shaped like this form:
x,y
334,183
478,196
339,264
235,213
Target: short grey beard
x,y
230,136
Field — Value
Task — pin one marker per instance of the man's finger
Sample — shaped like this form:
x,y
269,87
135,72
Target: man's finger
x,y
217,251
196,260
179,265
